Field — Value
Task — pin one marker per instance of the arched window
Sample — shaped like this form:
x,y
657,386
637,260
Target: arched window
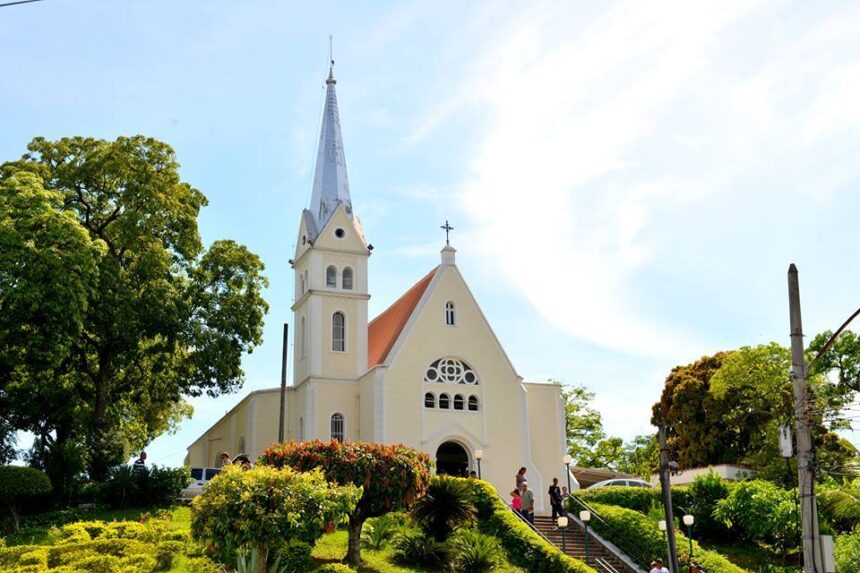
x,y
331,276
242,445
450,371
450,319
301,429
458,402
302,338
337,427
346,279
429,400
444,401
473,403
338,332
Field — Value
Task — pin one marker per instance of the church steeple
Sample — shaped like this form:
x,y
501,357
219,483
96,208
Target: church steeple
x,y
331,185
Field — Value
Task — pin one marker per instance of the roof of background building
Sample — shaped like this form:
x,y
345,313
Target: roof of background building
x,y
384,330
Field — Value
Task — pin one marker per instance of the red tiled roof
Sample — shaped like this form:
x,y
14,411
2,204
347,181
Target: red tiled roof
x,y
384,330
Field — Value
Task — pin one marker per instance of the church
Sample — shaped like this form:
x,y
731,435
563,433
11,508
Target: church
x,y
428,372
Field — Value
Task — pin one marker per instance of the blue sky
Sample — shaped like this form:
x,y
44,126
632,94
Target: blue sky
x,y
628,182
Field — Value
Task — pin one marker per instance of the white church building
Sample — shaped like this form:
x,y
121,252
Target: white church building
x,y
428,372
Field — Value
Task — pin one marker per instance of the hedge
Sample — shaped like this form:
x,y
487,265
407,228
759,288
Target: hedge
x,y
631,524
524,547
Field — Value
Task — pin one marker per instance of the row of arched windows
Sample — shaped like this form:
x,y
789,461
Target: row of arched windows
x,y
345,277
459,402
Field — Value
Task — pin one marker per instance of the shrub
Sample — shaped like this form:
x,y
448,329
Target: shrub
x,y
21,484
163,484
295,557
524,547
417,549
35,557
640,499
475,552
704,494
165,552
98,564
335,568
847,552
378,531
263,507
392,477
127,487
445,506
628,524
202,565
761,512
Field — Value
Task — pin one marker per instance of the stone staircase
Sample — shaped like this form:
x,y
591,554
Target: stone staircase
x,y
600,558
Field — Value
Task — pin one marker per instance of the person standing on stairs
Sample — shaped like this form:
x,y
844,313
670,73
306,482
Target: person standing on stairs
x,y
528,503
555,499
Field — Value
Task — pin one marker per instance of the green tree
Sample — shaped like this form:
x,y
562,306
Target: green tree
x,y
112,309
641,456
265,507
19,485
392,477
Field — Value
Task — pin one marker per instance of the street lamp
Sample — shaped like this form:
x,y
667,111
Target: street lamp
x,y
688,521
662,525
585,516
562,524
567,460
478,455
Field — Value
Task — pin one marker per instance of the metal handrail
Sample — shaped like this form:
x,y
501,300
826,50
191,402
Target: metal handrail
x,y
532,526
626,545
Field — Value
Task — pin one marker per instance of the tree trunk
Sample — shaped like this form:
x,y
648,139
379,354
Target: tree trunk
x,y
353,551
262,557
99,462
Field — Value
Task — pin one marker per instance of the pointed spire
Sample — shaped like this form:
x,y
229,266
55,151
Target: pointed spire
x,y
331,185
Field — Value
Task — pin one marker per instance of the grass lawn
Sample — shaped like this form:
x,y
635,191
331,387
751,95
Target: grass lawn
x,y
753,559
332,548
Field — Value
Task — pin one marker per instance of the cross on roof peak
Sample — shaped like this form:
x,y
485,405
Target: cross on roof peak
x,y
447,228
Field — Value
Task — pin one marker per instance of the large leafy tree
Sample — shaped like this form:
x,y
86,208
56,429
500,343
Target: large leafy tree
x,y
111,309
392,477
727,408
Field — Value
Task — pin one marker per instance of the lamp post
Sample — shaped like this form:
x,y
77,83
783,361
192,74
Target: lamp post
x,y
688,521
585,516
478,455
662,525
562,524
567,460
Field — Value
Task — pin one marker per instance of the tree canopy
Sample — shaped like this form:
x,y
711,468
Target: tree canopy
x,y
111,309
392,476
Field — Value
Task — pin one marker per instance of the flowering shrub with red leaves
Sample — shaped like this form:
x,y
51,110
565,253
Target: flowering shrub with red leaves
x,y
392,476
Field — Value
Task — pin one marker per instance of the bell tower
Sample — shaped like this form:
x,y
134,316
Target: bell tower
x,y
330,266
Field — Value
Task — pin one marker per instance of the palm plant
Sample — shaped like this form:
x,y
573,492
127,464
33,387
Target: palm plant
x,y
446,506
475,552
416,549
378,531
841,506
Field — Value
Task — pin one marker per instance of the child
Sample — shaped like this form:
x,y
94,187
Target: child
x,y
517,501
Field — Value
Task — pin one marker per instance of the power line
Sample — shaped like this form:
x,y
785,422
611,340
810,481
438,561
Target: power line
x,y
18,2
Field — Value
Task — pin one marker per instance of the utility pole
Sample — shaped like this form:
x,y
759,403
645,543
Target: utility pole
x,y
283,385
805,454
666,490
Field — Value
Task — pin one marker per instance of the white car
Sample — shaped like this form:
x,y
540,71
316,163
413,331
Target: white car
x,y
201,477
621,482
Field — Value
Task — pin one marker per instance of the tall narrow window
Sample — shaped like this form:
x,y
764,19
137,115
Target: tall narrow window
x,y
302,278
444,401
331,277
458,402
429,400
473,403
449,313
346,279
301,429
337,427
338,332
302,338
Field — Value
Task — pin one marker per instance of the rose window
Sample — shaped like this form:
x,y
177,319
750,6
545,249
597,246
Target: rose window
x,y
450,371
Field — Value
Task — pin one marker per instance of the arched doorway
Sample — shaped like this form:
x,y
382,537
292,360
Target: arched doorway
x,y
452,459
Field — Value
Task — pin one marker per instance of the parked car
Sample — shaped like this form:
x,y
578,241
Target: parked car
x,y
201,477
621,482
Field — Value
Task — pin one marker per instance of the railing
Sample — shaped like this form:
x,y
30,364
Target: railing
x,y
523,519
628,546
605,565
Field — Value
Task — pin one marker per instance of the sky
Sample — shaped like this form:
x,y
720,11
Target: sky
x,y
628,182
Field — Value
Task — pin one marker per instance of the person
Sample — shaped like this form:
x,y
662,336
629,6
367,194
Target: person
x,y
521,477
140,463
563,492
225,459
528,503
694,568
473,474
555,499
243,460
657,566
516,501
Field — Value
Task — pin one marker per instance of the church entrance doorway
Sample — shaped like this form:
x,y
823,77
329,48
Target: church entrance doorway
x,y
452,460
